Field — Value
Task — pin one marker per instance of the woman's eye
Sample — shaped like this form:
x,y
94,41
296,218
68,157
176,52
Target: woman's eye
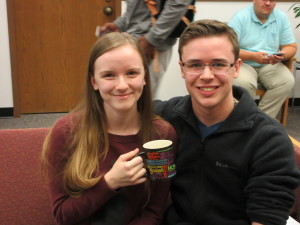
x,y
107,75
133,73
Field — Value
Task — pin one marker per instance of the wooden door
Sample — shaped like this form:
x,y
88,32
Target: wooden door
x,y
50,41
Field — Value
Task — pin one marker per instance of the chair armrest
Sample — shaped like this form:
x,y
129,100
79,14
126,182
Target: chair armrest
x,y
289,63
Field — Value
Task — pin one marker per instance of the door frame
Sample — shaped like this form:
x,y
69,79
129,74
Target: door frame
x,y
13,52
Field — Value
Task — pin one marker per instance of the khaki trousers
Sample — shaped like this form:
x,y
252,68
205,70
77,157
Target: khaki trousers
x,y
156,75
276,79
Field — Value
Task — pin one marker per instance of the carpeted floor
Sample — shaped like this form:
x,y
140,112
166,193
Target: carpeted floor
x,y
30,121
46,120
293,122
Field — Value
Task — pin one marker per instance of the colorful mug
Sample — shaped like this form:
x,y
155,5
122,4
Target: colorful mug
x,y
159,159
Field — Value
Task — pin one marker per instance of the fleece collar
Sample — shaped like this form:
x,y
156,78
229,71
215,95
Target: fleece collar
x,y
242,117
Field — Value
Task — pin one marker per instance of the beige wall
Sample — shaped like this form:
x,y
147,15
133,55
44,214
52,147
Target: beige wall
x,y
172,83
205,10
6,99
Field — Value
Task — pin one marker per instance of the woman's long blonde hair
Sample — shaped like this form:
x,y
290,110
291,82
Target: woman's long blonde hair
x,y
89,143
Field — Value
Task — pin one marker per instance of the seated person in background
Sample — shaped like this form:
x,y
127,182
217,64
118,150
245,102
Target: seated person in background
x,y
264,31
89,155
235,165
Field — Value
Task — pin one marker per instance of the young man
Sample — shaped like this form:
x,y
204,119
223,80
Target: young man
x,y
264,31
235,164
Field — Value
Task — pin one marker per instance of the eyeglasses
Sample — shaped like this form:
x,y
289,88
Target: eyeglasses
x,y
196,67
271,1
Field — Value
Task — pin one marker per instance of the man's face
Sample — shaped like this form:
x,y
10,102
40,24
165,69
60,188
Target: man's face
x,y
263,8
209,89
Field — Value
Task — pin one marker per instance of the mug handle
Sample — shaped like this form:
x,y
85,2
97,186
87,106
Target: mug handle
x,y
143,155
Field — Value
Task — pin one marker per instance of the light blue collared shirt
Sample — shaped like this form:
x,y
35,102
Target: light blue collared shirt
x,y
261,37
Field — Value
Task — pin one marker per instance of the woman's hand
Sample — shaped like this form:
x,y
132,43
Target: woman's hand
x,y
128,170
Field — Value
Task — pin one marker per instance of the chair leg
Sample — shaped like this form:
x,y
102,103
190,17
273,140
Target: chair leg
x,y
284,112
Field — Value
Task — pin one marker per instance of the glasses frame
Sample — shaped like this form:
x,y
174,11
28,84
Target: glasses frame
x,y
270,1
204,65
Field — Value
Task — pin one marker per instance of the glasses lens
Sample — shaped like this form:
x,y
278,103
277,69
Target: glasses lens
x,y
196,67
220,67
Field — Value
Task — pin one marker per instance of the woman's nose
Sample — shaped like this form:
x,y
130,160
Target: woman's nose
x,y
121,83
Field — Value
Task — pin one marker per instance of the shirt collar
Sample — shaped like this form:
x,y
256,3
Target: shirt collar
x,y
271,18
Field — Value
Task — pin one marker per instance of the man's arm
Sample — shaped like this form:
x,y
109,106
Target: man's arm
x,y
168,19
258,57
288,50
287,42
262,57
273,177
147,47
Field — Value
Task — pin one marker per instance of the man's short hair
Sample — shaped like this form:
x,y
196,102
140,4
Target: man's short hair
x,y
208,28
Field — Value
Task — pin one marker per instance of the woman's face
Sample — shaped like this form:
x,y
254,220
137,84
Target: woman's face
x,y
119,76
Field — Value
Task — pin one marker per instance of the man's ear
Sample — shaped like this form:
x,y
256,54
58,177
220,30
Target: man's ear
x,y
237,67
181,69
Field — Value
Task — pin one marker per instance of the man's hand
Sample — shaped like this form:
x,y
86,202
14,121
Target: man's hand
x,y
108,27
261,58
276,58
147,48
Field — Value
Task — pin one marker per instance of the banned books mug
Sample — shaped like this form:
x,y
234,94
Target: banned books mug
x,y
159,159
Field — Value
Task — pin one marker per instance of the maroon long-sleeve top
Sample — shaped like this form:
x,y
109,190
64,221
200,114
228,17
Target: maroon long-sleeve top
x,y
132,205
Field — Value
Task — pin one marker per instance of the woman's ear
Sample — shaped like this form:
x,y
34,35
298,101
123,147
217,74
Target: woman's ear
x,y
93,82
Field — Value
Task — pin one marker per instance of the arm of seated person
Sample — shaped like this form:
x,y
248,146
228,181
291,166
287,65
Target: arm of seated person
x,y
258,57
288,50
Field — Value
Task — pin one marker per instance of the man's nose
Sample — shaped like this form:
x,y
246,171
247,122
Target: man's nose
x,y
206,73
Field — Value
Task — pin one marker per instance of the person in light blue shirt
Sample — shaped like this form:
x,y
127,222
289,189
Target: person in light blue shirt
x,y
264,31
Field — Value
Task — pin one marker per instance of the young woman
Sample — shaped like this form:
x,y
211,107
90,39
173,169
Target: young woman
x,y
89,155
